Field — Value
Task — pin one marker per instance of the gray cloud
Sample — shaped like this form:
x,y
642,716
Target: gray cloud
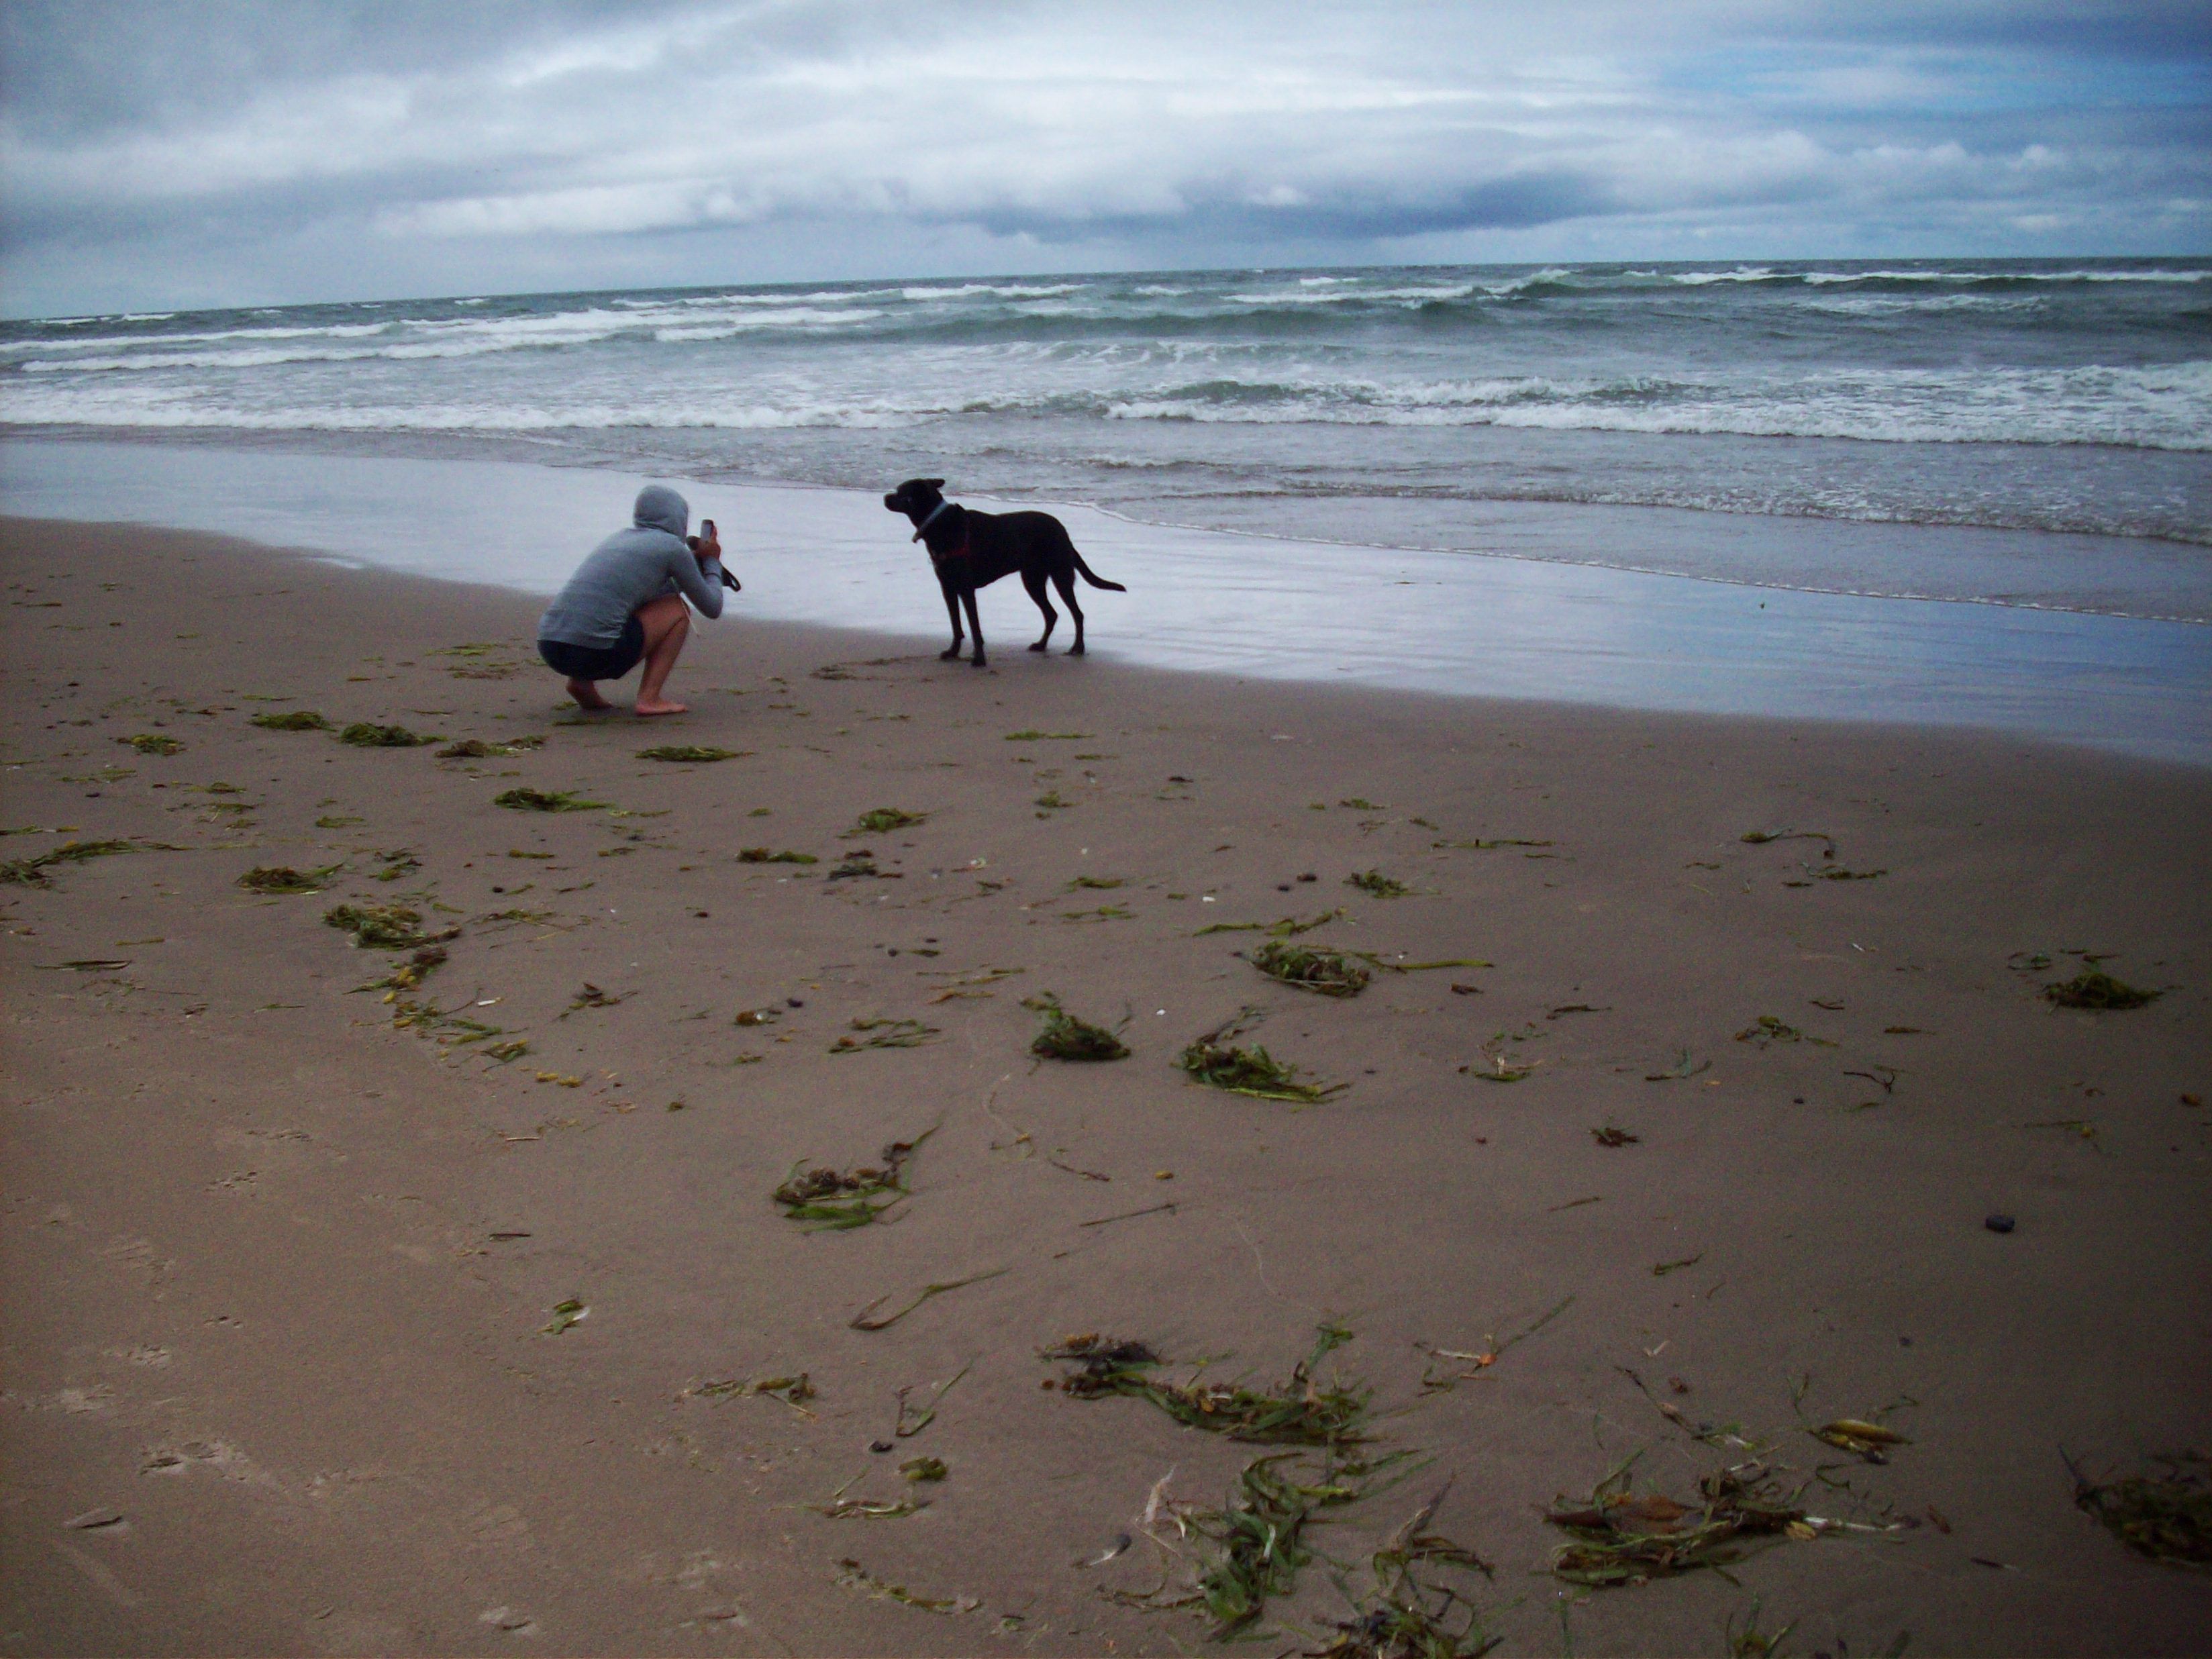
x,y
154,154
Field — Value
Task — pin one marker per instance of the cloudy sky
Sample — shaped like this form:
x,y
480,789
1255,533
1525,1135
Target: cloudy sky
x,y
184,152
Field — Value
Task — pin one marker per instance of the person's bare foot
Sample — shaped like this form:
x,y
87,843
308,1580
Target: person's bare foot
x,y
660,706
587,695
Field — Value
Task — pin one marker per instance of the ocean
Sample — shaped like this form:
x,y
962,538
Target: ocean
x,y
2021,433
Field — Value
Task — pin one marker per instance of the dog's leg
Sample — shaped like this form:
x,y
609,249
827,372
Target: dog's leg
x,y
953,610
975,626
1066,584
1034,580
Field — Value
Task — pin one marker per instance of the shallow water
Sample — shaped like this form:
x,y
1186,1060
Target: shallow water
x,y
1205,600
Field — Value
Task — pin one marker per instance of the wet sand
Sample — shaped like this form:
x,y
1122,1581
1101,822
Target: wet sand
x,y
279,1269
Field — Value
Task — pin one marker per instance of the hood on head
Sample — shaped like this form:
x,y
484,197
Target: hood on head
x,y
659,507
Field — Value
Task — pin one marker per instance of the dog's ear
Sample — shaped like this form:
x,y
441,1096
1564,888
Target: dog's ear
x,y
934,483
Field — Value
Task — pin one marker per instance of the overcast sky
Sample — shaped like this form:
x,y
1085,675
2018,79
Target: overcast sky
x,y
184,152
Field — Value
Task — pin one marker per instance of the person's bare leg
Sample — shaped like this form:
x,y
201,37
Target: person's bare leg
x,y
586,693
667,624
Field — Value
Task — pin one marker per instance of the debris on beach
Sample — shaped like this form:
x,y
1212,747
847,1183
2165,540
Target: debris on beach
x,y
764,855
591,997
573,1312
1216,1062
1302,1412
1611,1135
852,1575
1870,1441
153,743
696,754
1480,1361
868,1319
1287,928
882,820
2166,1515
1761,837
1101,883
793,1391
913,1420
1619,1539
545,800
1307,967
384,926
282,879
885,1033
1376,885
411,974
859,865
2092,988
1767,1030
1046,736
921,1469
1405,1616
31,872
831,1200
296,719
366,734
842,1508
477,749
1066,1037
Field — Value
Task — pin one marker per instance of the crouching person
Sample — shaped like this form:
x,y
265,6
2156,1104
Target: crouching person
x,y
625,604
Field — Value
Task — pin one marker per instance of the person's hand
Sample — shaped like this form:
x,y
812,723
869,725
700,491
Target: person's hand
x,y
708,546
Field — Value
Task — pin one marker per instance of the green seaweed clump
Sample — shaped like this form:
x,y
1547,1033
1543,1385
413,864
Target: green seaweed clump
x,y
2167,1516
1066,1037
545,800
31,872
1617,1539
2092,988
282,879
1301,1411
364,734
832,1200
154,742
883,819
1376,885
477,749
1216,1062
1311,967
1407,1617
297,720
698,754
383,926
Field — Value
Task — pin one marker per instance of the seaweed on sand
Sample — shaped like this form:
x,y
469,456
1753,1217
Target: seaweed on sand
x,y
154,742
384,926
366,734
698,754
2092,988
1376,885
31,872
1219,1064
1311,967
1066,1037
882,820
545,800
885,1033
1617,1538
1302,1412
764,855
296,719
477,749
1407,1616
282,879
409,975
831,1200
2166,1515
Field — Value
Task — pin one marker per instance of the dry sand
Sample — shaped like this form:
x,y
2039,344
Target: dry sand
x,y
278,1271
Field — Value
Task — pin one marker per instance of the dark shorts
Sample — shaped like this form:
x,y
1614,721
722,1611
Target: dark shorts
x,y
596,662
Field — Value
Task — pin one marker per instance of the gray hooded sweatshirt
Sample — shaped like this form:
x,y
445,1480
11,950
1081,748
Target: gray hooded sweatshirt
x,y
631,568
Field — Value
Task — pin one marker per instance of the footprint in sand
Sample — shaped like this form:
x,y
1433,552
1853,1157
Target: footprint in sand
x,y
508,1620
501,1523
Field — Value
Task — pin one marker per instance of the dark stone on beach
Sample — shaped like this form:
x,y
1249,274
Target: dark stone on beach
x,y
1998,1223
795,1002
880,1445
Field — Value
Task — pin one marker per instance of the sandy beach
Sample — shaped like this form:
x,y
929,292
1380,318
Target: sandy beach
x,y
338,1321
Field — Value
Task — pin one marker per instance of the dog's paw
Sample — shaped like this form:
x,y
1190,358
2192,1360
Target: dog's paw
x,y
1039,645
978,662
1076,651
951,654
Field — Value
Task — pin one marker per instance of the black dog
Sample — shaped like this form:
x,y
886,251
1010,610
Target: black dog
x,y
974,550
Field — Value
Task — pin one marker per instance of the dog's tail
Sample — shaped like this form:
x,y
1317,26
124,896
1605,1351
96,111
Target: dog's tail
x,y
1092,576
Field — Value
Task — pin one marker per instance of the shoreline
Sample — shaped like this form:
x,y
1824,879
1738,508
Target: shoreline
x,y
281,1254
1226,601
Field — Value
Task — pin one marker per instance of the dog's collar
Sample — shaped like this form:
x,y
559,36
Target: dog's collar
x,y
931,519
